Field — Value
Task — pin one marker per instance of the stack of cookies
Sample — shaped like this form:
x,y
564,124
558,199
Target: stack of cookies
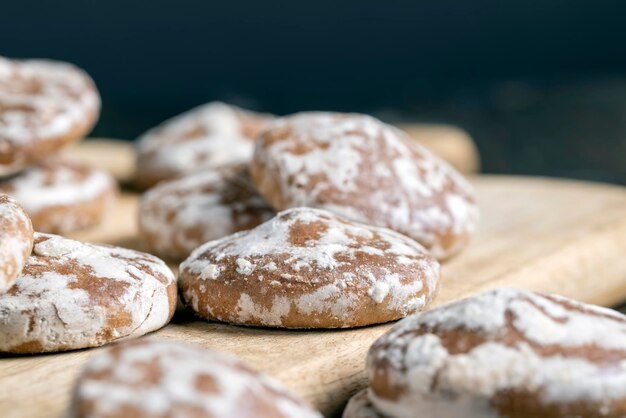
x,y
313,220
45,106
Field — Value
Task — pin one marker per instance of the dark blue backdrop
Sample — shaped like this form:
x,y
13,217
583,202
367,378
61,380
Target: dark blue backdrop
x,y
446,60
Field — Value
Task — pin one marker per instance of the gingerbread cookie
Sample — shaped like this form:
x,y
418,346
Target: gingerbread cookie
x,y
309,268
62,196
154,379
358,167
178,216
204,137
503,354
73,295
16,240
44,105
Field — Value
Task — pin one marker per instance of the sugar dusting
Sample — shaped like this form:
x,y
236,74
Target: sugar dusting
x,y
54,303
42,100
16,241
204,137
179,368
321,274
423,365
361,168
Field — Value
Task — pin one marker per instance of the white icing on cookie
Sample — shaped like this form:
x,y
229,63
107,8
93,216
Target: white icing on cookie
x,y
204,137
73,295
361,168
42,101
158,378
563,351
59,185
312,264
16,240
178,216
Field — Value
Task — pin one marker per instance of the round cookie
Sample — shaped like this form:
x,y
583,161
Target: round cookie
x,y
360,168
44,105
309,268
74,295
177,216
62,196
16,241
154,379
204,137
359,406
503,354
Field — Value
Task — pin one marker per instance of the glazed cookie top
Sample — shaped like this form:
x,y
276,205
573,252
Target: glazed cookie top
x,y
178,216
43,105
55,184
368,171
73,295
151,379
16,240
203,137
504,353
308,261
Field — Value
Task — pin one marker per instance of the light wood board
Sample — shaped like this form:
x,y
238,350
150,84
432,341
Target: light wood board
x,y
549,235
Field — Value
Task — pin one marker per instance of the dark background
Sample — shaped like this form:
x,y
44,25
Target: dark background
x,y
540,85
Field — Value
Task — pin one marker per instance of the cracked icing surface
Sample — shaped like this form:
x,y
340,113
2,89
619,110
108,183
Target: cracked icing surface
x,y
62,196
309,268
204,137
73,295
43,105
178,216
154,379
505,353
16,240
368,171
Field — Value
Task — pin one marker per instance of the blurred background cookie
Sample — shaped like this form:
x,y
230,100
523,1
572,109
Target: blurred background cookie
x,y
16,240
368,171
44,105
177,216
309,268
74,295
150,379
203,137
62,196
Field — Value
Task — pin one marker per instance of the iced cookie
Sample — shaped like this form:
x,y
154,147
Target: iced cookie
x,y
62,196
178,216
360,168
44,105
205,137
309,268
155,379
16,240
74,295
503,354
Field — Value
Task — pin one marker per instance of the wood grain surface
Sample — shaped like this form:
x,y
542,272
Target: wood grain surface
x,y
550,235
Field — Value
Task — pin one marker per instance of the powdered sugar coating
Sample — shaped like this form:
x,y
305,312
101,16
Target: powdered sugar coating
x,y
73,295
204,137
504,353
368,171
309,268
178,216
62,196
43,106
152,379
16,240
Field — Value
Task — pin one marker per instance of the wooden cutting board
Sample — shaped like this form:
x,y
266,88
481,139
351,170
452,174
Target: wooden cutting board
x,y
549,235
